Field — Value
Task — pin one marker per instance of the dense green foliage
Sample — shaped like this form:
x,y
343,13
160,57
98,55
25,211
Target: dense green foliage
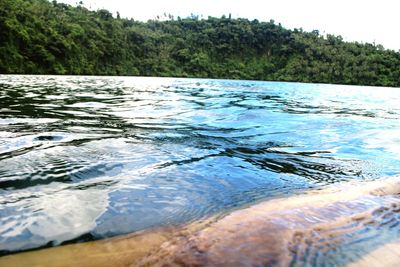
x,y
37,36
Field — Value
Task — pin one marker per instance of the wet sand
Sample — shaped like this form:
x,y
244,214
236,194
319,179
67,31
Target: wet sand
x,y
311,229
387,255
120,251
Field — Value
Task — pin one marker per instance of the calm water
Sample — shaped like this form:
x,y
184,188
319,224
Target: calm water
x,y
91,157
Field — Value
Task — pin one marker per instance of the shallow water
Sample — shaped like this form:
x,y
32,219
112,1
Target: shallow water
x,y
92,157
354,223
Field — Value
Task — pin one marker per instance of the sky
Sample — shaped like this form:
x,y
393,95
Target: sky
x,y
355,20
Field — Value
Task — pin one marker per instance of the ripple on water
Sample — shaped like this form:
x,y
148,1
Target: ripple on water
x,y
120,154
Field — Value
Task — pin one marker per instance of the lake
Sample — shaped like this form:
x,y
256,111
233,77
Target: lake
x,y
85,158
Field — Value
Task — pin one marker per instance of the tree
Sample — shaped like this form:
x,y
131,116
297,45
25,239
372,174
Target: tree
x,y
38,36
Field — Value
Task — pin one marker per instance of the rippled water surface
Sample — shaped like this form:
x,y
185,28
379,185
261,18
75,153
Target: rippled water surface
x,y
91,157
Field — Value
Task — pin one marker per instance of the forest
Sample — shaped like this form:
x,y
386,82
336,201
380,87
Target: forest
x,y
43,37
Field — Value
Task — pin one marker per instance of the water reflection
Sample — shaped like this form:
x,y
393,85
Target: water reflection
x,y
96,156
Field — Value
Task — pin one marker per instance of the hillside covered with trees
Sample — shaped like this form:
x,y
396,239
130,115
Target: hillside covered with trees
x,y
42,37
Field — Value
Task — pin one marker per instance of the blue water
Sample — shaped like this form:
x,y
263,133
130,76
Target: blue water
x,y
85,158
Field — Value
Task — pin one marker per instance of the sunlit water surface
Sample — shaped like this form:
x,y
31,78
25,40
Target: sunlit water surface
x,y
85,158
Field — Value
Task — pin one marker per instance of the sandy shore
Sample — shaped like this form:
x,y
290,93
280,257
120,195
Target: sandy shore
x,y
387,255
307,229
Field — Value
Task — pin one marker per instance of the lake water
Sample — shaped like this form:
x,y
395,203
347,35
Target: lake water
x,y
85,158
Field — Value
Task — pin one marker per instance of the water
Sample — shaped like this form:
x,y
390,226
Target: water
x,y
86,158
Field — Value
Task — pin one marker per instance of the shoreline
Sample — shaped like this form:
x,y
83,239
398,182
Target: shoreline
x,y
300,229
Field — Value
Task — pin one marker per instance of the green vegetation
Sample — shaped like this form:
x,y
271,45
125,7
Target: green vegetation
x,y
41,37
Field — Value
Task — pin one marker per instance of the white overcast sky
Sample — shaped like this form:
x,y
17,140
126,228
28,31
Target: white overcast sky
x,y
355,20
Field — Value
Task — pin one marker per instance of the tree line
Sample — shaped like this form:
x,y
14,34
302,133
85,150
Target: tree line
x,y
42,37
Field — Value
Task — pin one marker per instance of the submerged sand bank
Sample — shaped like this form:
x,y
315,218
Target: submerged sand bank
x,y
331,225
